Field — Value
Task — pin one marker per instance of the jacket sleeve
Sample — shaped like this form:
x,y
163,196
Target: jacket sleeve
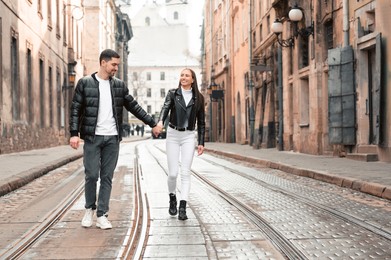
x,y
166,106
76,109
133,107
201,123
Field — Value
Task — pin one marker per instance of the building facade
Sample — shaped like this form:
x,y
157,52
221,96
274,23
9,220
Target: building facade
x,y
34,73
158,52
45,47
316,85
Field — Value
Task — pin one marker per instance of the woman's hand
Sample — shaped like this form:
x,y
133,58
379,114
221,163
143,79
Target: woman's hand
x,y
200,149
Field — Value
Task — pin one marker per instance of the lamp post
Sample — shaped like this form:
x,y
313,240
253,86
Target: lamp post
x,y
76,11
295,15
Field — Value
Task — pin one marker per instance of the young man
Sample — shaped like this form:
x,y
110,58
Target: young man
x,y
96,117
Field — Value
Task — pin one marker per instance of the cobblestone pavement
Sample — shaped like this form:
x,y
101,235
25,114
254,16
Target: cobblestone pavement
x,y
373,178
222,225
368,177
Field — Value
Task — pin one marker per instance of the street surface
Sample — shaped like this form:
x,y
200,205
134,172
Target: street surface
x,y
237,210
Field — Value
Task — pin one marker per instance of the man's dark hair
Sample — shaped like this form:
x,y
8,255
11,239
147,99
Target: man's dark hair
x,y
107,55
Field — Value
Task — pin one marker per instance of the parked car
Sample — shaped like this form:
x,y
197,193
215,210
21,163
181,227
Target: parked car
x,y
147,129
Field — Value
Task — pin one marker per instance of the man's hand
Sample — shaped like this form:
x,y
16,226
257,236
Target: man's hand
x,y
74,142
157,129
200,149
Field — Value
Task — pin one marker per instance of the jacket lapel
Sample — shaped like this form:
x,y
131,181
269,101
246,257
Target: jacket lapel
x,y
180,100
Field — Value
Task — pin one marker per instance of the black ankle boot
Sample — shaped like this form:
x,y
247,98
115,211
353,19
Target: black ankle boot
x,y
182,210
173,210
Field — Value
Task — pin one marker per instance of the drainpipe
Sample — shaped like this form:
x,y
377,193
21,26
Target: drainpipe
x,y
345,23
250,80
211,70
280,101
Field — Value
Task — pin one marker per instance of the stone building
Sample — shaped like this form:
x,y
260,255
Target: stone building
x,y
34,72
158,52
225,64
45,47
314,79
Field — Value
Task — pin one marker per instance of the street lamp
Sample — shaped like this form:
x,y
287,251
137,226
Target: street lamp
x,y
295,15
76,11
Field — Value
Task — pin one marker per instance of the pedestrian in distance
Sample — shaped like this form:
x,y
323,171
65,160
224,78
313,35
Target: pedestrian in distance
x,y
186,109
137,129
96,117
142,130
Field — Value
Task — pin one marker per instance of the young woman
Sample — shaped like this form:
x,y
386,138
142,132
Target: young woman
x,y
186,109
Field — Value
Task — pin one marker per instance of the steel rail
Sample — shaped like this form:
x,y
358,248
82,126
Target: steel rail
x,y
20,247
276,238
349,218
135,242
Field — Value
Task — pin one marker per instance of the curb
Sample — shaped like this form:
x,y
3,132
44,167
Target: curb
x,y
25,177
371,188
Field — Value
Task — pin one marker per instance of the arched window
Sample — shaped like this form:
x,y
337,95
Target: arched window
x,y
176,15
147,21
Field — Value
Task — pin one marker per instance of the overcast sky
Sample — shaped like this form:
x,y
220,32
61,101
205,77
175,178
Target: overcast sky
x,y
195,21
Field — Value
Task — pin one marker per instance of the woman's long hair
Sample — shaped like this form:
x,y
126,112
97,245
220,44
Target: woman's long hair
x,y
194,86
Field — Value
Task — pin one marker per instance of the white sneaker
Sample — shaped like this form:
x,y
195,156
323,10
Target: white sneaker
x,y
87,219
103,223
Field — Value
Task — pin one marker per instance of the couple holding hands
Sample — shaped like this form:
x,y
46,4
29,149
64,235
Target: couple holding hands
x,y
96,117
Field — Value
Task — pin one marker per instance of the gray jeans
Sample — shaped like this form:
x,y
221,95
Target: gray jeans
x,y
100,160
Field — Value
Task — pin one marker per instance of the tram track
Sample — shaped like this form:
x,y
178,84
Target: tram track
x,y
134,240
35,233
286,245
349,218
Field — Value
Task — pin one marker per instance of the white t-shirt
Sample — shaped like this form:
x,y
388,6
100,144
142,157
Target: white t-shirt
x,y
106,122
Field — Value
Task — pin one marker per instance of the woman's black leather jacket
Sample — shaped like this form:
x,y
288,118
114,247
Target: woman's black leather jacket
x,y
182,116
85,106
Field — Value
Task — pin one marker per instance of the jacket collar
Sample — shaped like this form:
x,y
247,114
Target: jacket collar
x,y
93,75
181,101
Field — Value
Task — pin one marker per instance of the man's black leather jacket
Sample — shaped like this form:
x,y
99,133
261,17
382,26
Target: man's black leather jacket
x,y
85,105
183,116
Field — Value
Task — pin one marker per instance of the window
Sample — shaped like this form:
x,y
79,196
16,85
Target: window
x,y
15,88
329,35
41,92
149,92
149,77
147,21
39,5
149,109
162,92
268,24
135,76
50,23
60,122
304,102
304,52
29,104
58,35
64,29
162,76
176,16
50,77
254,40
260,33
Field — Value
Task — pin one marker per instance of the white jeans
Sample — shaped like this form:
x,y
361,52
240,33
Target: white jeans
x,y
180,148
